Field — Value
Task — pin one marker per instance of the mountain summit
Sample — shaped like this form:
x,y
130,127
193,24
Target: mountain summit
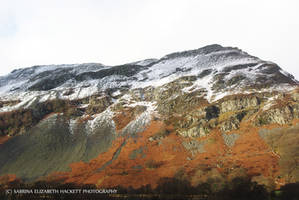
x,y
205,116
215,69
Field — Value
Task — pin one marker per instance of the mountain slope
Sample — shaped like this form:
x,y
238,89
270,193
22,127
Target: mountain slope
x,y
202,116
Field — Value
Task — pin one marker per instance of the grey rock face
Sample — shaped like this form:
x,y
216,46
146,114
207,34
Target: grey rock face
x,y
230,124
195,146
230,139
239,104
194,132
51,147
279,115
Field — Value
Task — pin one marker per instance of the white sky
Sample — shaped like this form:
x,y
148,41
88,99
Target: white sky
x,y
114,32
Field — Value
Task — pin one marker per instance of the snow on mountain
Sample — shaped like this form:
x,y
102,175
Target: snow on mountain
x,y
218,70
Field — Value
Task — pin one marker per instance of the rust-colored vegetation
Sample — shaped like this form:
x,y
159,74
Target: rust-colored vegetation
x,y
143,161
3,139
126,115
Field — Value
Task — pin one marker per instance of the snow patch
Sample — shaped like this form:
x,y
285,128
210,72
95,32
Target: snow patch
x,y
72,125
138,125
116,93
99,119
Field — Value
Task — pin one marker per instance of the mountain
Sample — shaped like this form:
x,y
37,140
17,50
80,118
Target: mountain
x,y
205,116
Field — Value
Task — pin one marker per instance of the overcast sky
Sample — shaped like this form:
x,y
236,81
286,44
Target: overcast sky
x,y
34,32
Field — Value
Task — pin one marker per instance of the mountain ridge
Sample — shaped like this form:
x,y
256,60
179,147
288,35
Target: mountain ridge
x,y
213,65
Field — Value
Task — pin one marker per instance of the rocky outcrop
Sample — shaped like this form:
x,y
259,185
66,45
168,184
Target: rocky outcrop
x,y
228,113
239,103
195,146
197,131
97,104
279,115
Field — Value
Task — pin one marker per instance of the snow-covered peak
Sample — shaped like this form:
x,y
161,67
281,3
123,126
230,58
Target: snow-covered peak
x,y
217,70
145,62
214,48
